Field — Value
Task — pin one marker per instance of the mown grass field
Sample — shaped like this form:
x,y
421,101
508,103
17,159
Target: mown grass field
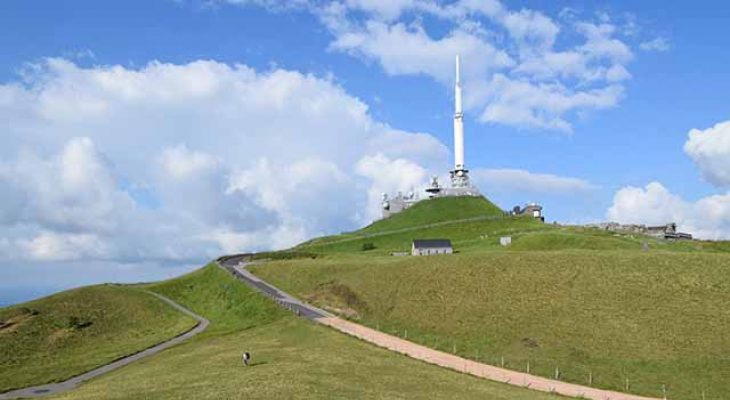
x,y
69,333
653,317
293,358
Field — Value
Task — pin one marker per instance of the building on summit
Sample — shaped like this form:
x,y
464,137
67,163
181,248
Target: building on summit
x,y
532,209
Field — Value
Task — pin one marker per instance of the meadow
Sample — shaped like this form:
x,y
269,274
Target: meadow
x,y
621,311
653,318
292,358
66,334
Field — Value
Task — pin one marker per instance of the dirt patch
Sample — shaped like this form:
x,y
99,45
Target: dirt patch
x,y
59,335
339,298
347,312
12,324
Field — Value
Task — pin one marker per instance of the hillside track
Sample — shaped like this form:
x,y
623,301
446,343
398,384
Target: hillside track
x,y
55,388
237,266
360,236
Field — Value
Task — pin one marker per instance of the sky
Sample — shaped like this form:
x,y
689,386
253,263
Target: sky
x,y
141,139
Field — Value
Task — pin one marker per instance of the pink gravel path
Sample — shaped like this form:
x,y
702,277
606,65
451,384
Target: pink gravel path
x,y
470,367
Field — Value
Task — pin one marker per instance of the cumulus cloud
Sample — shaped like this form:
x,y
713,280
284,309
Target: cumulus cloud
x,y
521,181
710,150
513,71
389,176
659,44
706,218
178,163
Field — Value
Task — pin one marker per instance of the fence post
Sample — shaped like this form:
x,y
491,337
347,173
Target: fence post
x,y
627,384
502,362
528,367
454,347
664,390
557,374
590,378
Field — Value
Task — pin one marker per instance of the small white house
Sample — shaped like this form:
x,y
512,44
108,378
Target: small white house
x,y
505,241
430,247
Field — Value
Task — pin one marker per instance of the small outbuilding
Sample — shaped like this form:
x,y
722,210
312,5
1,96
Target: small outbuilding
x,y
430,247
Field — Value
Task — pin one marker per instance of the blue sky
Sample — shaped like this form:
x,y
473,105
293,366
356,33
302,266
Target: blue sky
x,y
145,137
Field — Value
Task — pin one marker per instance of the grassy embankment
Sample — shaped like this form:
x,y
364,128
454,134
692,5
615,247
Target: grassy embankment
x,y
64,335
292,358
586,301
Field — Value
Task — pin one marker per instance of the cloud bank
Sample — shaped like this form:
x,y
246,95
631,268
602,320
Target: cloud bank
x,y
180,163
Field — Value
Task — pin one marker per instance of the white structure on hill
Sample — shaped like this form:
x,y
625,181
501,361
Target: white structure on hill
x,y
460,183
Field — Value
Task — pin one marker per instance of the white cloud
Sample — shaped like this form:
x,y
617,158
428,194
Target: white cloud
x,y
389,176
707,218
402,49
659,44
497,45
710,150
63,247
521,181
180,163
523,104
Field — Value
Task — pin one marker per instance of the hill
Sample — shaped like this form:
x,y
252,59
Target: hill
x,y
64,335
609,305
293,358
436,210
655,318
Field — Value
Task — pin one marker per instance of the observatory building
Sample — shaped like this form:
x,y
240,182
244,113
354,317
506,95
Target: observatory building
x,y
460,183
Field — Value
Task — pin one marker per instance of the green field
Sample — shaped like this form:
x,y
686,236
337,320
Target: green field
x,y
293,358
605,305
69,333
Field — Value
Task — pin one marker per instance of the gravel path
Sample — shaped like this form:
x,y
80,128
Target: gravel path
x,y
237,265
55,388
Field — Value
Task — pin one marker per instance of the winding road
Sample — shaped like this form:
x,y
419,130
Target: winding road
x,y
237,266
55,388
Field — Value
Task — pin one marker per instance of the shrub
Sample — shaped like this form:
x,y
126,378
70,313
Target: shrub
x,y
368,246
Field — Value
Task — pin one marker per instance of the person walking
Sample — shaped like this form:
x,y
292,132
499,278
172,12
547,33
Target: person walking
x,y
246,358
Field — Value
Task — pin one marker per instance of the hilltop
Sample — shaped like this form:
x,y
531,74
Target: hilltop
x,y
605,305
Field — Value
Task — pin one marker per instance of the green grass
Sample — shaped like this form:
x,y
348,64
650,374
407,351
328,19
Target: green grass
x,y
293,358
464,236
436,210
211,292
655,317
69,333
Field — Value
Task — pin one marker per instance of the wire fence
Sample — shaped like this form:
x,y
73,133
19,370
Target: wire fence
x,y
630,379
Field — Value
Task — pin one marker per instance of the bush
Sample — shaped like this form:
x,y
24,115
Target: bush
x,y
77,323
368,246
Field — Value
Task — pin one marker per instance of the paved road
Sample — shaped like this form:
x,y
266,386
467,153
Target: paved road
x,y
55,388
237,265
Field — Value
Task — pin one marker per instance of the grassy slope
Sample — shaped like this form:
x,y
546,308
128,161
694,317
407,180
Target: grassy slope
x,y
655,317
292,358
46,347
436,210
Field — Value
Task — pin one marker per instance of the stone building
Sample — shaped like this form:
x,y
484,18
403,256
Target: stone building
x,y
430,247
532,209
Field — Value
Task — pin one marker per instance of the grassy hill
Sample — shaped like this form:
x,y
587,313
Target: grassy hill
x,y
60,336
436,210
613,306
654,317
293,358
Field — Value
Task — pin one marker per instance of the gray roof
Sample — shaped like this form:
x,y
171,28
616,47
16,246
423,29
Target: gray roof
x,y
431,243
